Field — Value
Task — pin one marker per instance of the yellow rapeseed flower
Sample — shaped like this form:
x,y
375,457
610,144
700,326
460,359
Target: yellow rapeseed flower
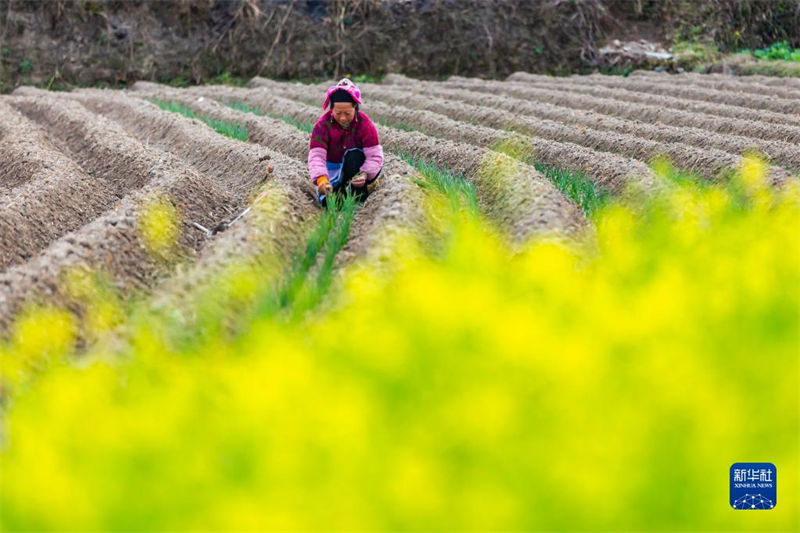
x,y
159,226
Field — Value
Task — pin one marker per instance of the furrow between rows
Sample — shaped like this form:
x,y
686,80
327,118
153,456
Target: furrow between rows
x,y
600,133
583,85
783,153
512,113
27,153
769,81
643,112
732,84
446,119
751,101
396,204
113,243
114,164
53,196
512,194
236,166
778,152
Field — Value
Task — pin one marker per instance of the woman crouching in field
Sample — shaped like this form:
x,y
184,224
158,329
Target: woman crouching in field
x,y
344,149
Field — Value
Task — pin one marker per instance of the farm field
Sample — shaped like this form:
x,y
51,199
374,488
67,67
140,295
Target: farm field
x,y
571,303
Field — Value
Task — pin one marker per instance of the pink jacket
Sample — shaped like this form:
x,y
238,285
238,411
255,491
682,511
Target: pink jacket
x,y
329,141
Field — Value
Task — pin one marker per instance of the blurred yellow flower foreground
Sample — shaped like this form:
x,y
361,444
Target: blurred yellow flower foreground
x,y
604,385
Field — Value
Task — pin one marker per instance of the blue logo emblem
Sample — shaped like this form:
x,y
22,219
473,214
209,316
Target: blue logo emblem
x,y
754,486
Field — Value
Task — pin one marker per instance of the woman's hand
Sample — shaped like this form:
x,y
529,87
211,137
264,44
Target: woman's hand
x,y
323,185
359,179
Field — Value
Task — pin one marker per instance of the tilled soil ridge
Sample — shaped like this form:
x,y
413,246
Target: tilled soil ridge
x,y
517,198
642,112
112,242
769,81
709,162
671,102
116,162
26,151
234,165
783,153
732,84
395,204
270,132
649,112
695,99
444,119
53,194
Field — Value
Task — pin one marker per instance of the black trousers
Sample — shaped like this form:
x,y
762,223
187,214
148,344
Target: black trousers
x,y
351,165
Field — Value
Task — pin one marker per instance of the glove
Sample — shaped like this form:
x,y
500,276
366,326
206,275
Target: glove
x,y
372,184
359,179
324,186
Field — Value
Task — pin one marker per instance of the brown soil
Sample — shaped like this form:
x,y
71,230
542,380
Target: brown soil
x,y
743,66
733,84
588,86
270,132
709,162
512,194
510,113
111,242
768,81
26,151
598,165
107,165
395,205
451,120
55,195
783,153
236,166
643,112
772,81
397,202
633,84
258,240
79,167
521,201
787,154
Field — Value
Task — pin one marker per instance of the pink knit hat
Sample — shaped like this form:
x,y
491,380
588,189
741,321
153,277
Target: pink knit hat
x,y
345,85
